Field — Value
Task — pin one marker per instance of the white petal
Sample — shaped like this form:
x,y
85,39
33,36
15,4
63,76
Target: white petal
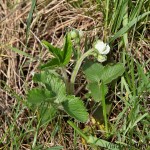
x,y
101,47
106,50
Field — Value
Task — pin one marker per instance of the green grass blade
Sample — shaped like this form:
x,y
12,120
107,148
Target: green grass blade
x,y
102,143
30,17
78,130
139,119
20,52
128,26
135,12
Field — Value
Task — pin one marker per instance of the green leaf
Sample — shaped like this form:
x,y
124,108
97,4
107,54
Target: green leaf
x,y
93,140
102,143
20,52
128,26
37,95
67,51
75,108
47,113
93,71
54,50
53,84
112,72
96,90
30,16
50,64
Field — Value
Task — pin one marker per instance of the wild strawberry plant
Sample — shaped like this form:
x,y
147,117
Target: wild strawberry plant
x,y
55,91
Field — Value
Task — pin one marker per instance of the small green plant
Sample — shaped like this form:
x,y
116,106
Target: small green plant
x,y
56,91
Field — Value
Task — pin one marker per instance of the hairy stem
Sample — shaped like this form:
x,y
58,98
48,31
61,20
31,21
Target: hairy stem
x,y
65,77
76,69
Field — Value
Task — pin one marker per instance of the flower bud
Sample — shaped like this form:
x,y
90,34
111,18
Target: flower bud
x,y
76,34
101,58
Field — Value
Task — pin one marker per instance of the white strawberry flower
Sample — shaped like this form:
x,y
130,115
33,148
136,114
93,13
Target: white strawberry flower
x,y
102,47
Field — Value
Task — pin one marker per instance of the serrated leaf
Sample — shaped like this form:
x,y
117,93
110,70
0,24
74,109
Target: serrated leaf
x,y
67,51
37,95
93,71
96,90
75,108
54,50
112,72
53,84
50,64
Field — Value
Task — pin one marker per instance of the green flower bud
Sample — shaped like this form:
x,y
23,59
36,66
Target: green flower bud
x,y
101,58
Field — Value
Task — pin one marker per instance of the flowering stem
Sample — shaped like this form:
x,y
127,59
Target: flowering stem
x,y
65,77
76,69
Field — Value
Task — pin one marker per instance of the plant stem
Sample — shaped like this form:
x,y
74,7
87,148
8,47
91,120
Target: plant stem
x,y
76,69
104,110
65,77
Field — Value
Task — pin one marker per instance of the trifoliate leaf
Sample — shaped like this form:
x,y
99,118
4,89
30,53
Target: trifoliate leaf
x,y
53,84
96,90
37,95
75,108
